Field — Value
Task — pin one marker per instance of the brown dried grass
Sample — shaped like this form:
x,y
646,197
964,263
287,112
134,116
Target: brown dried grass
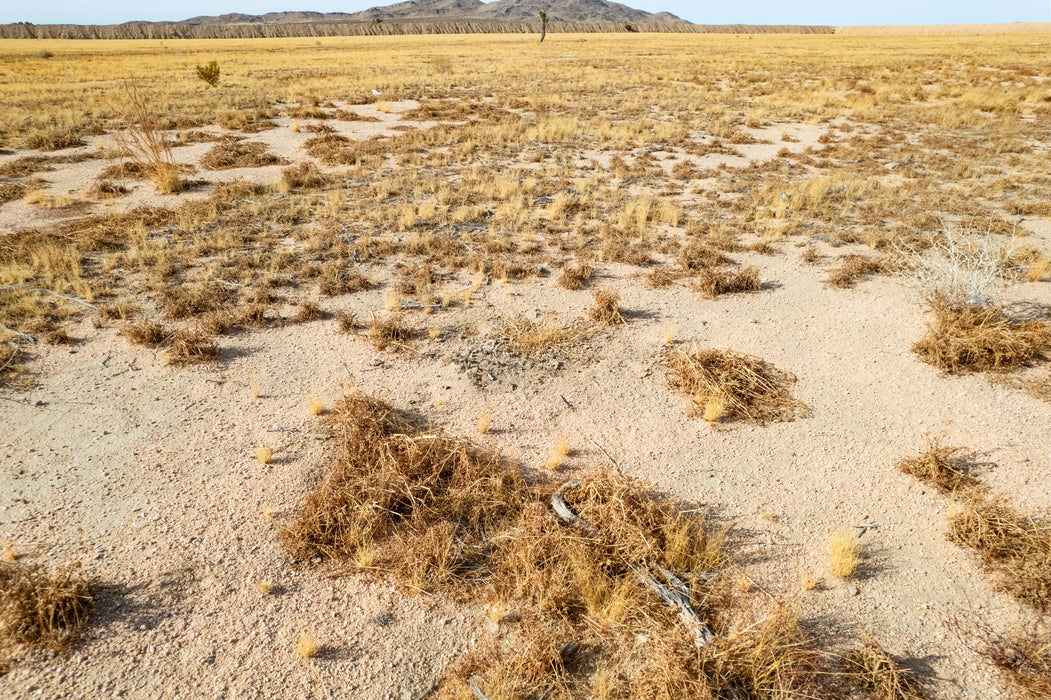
x,y
713,283
856,268
945,468
234,153
151,335
605,310
751,389
575,276
1024,657
441,514
876,672
38,606
390,330
967,338
1015,546
190,346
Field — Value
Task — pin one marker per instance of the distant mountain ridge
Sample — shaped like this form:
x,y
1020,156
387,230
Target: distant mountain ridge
x,y
459,10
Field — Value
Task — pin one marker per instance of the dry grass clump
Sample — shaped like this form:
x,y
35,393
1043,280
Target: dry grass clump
x,y
336,279
392,477
54,140
151,335
10,191
969,338
844,553
234,153
575,276
1025,657
10,354
38,606
309,311
389,330
189,346
712,283
441,514
872,669
1015,546
945,468
184,302
144,141
856,268
605,311
750,388
304,175
699,256
527,336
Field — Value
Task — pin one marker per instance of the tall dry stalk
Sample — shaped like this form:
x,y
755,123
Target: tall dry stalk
x,y
143,140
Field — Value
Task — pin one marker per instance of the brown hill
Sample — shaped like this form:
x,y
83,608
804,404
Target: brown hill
x,y
259,30
459,10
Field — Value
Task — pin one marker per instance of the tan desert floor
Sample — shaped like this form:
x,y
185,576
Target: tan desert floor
x,y
147,474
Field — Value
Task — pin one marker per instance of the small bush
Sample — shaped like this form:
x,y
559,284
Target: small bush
x,y
209,73
1015,546
575,276
856,268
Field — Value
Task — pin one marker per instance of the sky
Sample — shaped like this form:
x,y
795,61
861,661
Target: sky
x,y
829,12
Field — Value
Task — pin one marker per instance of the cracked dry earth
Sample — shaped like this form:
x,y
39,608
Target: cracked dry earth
x,y
147,474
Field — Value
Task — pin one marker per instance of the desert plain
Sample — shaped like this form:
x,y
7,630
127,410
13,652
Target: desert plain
x,y
468,366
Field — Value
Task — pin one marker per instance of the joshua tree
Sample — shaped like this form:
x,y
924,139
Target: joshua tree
x,y
543,25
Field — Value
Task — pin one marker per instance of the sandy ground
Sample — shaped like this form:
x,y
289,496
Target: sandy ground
x,y
146,473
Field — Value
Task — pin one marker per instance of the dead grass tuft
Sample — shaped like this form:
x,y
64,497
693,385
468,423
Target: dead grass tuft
x,y
528,336
698,256
575,276
945,468
605,310
1015,546
1025,657
856,268
750,388
440,514
38,606
235,153
712,283
309,311
966,338
386,331
305,176
151,335
192,346
844,553
874,670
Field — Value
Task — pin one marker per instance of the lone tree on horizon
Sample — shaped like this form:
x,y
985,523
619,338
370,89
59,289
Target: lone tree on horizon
x,y
543,25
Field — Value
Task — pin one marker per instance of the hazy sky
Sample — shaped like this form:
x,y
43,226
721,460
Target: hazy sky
x,y
835,12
